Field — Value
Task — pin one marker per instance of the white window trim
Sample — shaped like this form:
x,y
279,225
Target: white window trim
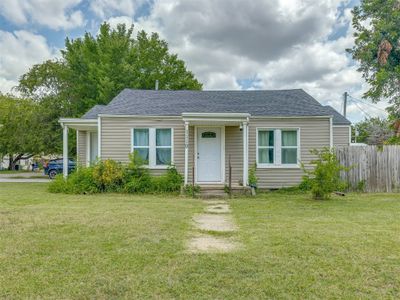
x,y
278,148
152,146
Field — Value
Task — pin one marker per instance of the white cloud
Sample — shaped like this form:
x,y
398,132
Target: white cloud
x,y
277,43
18,52
107,8
281,43
61,14
114,21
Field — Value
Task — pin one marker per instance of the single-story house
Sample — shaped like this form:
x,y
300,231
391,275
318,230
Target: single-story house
x,y
202,132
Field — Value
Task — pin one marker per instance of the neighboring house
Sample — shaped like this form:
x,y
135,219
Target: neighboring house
x,y
23,164
201,131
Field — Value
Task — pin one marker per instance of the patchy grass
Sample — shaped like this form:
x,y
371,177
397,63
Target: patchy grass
x,y
14,171
124,246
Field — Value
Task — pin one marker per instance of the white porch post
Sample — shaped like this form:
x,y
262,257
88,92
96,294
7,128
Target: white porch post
x,y
245,154
186,152
65,151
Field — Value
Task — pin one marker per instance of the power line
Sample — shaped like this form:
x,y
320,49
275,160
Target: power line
x,y
367,114
366,103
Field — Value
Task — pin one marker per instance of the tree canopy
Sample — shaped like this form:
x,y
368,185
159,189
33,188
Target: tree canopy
x,y
94,69
377,49
19,128
374,131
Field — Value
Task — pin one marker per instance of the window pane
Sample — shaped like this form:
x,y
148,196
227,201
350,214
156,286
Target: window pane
x,y
265,138
163,137
289,156
266,156
163,156
143,154
141,137
289,138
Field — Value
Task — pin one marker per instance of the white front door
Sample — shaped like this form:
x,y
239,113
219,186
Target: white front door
x,y
209,147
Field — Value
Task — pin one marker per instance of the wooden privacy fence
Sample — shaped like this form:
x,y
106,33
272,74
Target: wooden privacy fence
x,y
372,168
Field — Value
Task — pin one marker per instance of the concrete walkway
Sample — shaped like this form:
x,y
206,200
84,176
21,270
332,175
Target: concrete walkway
x,y
23,177
210,227
22,180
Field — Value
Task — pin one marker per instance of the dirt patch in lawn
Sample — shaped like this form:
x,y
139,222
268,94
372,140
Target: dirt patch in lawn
x,y
214,222
208,243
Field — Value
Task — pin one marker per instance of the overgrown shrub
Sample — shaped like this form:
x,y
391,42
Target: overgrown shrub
x,y
137,177
252,176
324,178
191,190
108,175
81,181
170,182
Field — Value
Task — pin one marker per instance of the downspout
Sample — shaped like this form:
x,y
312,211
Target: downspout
x,y
99,137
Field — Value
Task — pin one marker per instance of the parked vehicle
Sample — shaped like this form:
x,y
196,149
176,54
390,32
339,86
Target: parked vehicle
x,y
55,166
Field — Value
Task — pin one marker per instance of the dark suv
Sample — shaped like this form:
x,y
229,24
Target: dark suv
x,y
55,166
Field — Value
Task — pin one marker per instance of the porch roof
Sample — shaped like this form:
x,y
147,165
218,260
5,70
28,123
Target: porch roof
x,y
79,124
215,118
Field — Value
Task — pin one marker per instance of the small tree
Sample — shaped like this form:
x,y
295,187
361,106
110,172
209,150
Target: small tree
x,y
324,178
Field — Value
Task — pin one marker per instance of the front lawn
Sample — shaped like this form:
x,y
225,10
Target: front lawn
x,y
124,246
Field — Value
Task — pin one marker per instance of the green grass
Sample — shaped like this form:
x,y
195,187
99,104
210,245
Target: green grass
x,y
123,246
13,171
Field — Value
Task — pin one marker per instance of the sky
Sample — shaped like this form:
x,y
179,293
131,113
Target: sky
x,y
227,44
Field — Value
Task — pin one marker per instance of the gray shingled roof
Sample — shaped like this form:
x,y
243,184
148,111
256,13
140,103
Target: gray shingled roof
x,y
338,118
93,112
283,103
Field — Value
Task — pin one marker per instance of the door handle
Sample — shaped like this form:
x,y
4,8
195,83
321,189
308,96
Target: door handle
x,y
198,156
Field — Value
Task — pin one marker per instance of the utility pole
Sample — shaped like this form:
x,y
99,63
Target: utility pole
x,y
345,103
156,88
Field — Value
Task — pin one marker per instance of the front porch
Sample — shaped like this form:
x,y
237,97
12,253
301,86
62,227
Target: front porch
x,y
219,141
203,146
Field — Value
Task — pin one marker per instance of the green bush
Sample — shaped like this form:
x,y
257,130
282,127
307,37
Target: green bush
x,y
171,182
81,181
191,190
108,175
58,185
137,177
324,178
252,176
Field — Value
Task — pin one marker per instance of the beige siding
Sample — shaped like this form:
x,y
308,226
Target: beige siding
x,y
341,135
314,134
81,148
234,149
116,138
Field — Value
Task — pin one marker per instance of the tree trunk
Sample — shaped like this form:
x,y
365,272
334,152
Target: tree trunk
x,y
14,160
10,162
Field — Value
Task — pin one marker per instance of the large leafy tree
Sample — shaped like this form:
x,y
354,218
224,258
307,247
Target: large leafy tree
x,y
377,48
20,129
94,69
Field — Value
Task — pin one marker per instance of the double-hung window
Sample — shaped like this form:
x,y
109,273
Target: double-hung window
x,y
141,143
153,145
163,146
289,147
277,147
266,146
